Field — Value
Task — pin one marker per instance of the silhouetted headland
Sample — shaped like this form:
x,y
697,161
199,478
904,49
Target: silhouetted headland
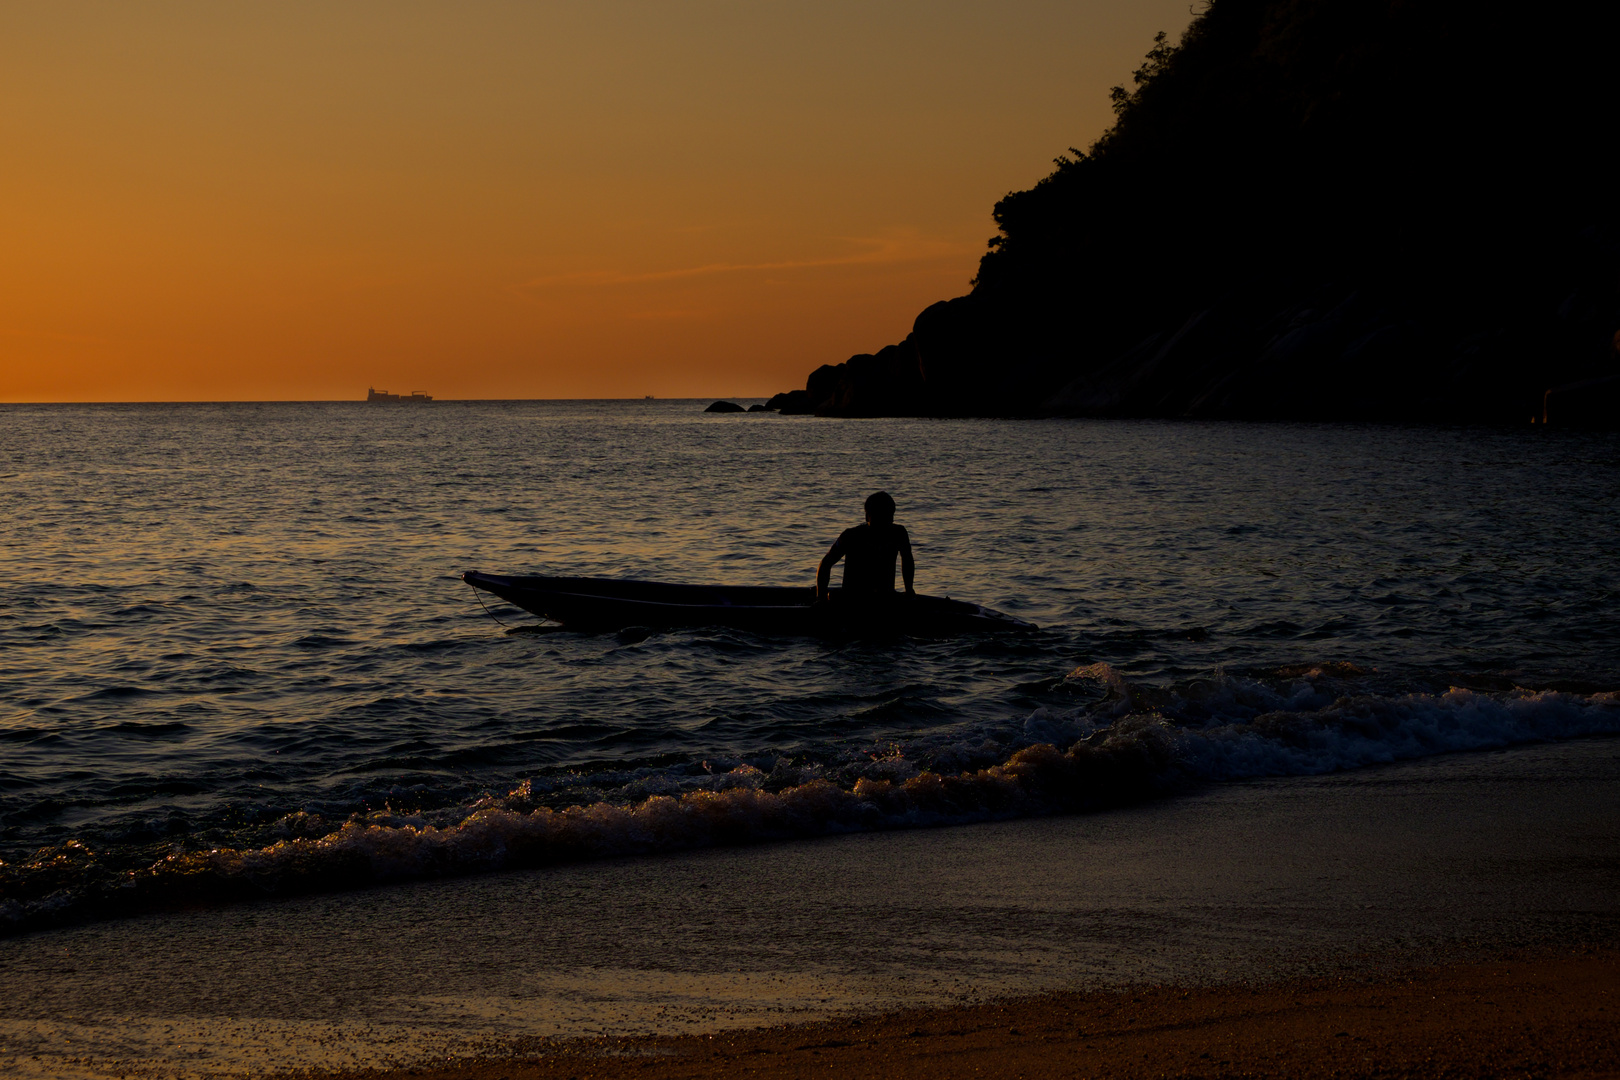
x,y
1306,209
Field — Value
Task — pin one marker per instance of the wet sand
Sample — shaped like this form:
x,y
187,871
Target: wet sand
x,y
1548,1015
1448,861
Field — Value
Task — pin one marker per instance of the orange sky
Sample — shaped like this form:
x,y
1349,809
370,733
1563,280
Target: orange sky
x,y
289,200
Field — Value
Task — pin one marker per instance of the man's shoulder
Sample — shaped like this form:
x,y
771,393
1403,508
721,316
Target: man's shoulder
x,y
867,533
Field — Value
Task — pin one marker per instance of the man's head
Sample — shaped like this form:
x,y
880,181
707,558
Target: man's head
x,y
879,508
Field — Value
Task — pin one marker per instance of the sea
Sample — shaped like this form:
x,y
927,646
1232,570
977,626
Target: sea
x,y
238,662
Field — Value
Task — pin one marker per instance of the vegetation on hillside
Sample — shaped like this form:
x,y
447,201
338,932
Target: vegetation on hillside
x,y
1422,188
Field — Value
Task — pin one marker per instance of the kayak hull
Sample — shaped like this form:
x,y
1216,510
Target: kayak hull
x,y
615,603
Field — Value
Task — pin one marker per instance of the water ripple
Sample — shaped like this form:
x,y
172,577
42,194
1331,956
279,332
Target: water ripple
x,y
216,619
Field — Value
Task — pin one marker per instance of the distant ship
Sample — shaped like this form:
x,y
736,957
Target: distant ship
x,y
383,395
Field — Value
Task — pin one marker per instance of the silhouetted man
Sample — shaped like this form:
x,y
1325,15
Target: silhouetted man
x,y
868,552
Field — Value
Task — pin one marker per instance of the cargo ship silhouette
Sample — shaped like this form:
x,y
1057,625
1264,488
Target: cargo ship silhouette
x,y
383,395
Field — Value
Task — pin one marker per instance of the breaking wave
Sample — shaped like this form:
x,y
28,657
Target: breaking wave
x,y
1116,744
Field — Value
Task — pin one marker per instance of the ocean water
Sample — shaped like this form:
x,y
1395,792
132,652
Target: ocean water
x,y
236,658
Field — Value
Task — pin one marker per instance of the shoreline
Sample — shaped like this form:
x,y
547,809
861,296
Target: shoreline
x,y
1340,883
1538,1013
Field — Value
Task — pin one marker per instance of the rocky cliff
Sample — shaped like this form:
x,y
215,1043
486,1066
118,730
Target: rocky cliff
x,y
1311,209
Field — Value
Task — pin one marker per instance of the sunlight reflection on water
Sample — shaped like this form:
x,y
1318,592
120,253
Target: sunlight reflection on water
x,y
216,615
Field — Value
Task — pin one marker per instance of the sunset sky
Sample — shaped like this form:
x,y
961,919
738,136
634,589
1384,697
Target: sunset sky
x,y
288,200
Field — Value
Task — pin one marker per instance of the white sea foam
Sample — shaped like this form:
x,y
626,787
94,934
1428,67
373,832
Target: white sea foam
x,y
1123,744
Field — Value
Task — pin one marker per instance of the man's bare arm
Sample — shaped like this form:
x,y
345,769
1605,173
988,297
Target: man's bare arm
x,y
824,571
908,565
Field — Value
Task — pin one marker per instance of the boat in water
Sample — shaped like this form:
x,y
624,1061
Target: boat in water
x,y
414,397
616,603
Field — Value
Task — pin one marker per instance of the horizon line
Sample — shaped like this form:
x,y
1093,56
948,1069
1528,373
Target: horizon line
x,y
363,401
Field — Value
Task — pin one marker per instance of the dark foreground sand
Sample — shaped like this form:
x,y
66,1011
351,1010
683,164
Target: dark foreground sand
x,y
652,967
1550,1014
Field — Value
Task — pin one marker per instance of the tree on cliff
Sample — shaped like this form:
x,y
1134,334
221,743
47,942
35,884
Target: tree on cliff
x,y
1355,208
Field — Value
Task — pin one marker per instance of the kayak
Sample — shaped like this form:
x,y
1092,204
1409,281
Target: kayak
x,y
615,603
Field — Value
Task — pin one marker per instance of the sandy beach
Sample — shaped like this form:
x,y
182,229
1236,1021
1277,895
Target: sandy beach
x,y
1269,916
1547,1015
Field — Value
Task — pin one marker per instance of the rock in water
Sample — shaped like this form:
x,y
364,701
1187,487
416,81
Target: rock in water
x,y
725,406
792,403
